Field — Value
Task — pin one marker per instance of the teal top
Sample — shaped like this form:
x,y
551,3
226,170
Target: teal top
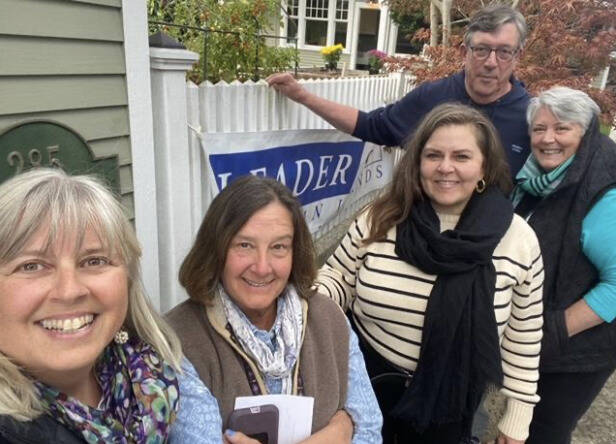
x,y
599,245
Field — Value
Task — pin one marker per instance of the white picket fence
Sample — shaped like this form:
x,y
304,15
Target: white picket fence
x,y
254,106
184,114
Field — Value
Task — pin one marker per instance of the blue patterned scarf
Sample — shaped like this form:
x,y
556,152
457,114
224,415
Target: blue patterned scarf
x,y
289,323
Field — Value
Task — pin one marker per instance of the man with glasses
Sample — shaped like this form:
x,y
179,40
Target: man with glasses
x,y
492,44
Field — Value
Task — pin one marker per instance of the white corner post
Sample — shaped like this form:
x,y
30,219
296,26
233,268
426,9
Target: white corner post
x,y
173,170
136,47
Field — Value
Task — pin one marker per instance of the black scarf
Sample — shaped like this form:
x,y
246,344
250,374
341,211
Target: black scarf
x,y
460,348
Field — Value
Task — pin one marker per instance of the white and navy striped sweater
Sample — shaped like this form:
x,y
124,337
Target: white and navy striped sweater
x,y
388,298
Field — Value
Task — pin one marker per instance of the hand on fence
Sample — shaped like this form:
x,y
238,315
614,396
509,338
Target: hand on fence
x,y
287,85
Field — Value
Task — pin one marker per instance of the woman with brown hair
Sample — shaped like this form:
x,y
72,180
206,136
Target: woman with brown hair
x,y
254,326
444,284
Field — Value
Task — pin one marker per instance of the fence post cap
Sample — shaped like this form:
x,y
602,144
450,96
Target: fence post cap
x,y
162,40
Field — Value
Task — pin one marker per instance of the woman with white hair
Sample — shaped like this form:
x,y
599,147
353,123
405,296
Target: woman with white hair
x,y
83,355
567,192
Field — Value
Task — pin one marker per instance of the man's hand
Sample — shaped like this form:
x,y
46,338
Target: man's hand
x,y
287,85
340,116
231,437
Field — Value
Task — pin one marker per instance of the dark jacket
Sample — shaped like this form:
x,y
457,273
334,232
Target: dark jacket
x,y
42,430
393,124
569,275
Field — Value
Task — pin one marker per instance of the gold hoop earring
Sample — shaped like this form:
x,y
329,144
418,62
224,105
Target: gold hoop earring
x,y
121,337
481,186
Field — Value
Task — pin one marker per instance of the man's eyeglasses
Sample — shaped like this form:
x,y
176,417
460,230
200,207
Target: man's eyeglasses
x,y
502,54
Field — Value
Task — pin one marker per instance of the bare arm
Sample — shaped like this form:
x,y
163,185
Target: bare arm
x,y
579,317
339,430
504,439
339,116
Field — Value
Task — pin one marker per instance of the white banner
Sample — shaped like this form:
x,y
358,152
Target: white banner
x,y
331,173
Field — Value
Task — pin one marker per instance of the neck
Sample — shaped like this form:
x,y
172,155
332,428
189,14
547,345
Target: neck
x,y
79,384
263,320
484,100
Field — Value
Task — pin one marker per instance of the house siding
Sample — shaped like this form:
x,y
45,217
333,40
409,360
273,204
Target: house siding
x,y
64,61
313,58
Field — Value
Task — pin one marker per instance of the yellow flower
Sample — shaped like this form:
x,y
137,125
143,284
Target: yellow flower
x,y
333,49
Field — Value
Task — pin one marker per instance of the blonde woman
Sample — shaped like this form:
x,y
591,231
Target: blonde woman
x,y
83,355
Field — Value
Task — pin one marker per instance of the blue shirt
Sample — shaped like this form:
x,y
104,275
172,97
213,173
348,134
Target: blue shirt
x,y
199,420
599,245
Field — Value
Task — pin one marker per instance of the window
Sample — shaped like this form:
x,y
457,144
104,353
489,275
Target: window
x,y
292,20
342,18
317,22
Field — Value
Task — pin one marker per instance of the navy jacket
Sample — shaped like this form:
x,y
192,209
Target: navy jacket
x,y
393,124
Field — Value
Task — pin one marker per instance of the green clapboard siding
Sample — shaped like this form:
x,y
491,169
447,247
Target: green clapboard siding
x,y
126,179
35,94
112,146
95,123
116,3
44,56
128,204
53,18
63,60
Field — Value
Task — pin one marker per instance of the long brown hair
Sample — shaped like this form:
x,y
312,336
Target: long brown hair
x,y
394,206
202,268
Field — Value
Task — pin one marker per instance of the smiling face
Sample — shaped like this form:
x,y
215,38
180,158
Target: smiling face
x,y
451,164
553,141
259,263
60,307
488,80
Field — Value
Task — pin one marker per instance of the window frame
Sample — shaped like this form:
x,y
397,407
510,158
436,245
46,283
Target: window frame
x,y
331,20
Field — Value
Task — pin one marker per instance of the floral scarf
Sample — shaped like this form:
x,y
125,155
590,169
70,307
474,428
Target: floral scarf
x,y
139,402
289,323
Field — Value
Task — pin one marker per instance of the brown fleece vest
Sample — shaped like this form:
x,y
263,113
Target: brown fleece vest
x,y
323,362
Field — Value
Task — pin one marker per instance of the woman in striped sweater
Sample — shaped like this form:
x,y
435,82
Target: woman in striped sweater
x,y
444,286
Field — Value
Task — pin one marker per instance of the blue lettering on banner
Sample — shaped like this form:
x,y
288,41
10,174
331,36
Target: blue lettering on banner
x,y
313,171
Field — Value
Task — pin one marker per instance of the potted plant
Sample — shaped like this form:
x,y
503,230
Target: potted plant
x,y
375,61
331,55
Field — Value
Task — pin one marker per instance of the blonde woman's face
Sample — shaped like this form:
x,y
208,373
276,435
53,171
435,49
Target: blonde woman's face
x,y
61,307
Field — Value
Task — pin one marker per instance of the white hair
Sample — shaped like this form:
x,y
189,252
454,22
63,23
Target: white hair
x,y
567,104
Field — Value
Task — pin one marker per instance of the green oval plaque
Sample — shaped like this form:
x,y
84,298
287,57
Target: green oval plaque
x,y
46,143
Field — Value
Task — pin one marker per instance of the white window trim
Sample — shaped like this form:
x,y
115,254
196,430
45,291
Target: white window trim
x,y
384,28
331,26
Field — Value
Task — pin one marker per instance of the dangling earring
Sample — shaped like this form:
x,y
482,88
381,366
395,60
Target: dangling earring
x,y
481,186
121,337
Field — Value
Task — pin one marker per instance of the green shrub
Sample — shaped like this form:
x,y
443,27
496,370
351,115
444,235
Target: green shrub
x,y
233,47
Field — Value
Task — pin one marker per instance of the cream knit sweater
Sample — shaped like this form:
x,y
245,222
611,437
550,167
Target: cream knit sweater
x,y
388,298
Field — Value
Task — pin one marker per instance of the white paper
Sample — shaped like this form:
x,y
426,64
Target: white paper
x,y
294,414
